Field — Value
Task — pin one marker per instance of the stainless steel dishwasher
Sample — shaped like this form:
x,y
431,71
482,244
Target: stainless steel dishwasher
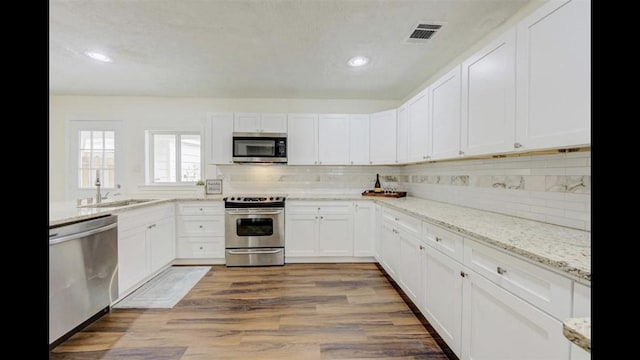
x,y
83,274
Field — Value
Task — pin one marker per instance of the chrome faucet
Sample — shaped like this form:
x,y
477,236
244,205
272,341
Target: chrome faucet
x,y
98,196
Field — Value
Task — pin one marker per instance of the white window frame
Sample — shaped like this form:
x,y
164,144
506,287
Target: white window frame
x,y
74,191
150,156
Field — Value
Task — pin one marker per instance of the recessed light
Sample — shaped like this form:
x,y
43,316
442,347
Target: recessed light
x,y
358,61
98,56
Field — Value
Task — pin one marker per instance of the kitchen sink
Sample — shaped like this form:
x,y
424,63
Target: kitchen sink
x,y
119,203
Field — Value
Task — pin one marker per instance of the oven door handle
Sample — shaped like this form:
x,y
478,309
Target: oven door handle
x,y
244,252
252,212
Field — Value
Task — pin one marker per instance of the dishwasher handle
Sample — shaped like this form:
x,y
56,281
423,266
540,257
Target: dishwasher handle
x,y
65,238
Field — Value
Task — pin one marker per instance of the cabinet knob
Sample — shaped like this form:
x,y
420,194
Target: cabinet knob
x,y
460,152
517,145
316,217
200,209
321,217
352,163
230,161
501,271
421,247
200,247
200,226
397,219
370,162
438,239
463,274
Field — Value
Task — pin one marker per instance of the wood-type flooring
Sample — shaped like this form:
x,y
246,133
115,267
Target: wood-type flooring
x,y
296,311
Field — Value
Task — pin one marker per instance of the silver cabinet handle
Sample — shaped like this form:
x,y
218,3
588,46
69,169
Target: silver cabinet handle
x,y
200,209
321,217
501,271
460,152
421,247
438,239
200,226
463,274
397,219
517,145
151,226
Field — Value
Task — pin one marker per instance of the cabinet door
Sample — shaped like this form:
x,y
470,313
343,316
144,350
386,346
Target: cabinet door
x,y
246,122
443,296
333,139
275,123
489,98
499,325
219,138
553,76
402,135
302,140
132,257
419,132
359,139
161,240
382,146
335,235
363,221
389,249
377,234
444,102
409,266
301,235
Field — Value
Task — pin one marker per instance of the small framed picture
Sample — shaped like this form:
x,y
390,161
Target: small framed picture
x,y
213,186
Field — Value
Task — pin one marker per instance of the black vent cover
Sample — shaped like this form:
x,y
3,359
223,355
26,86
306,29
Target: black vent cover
x,y
422,32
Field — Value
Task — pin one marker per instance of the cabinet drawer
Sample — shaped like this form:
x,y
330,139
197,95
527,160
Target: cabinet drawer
x,y
403,221
201,208
199,248
145,216
201,225
451,244
317,207
546,290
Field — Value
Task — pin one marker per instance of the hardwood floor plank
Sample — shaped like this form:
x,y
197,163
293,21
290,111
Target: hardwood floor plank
x,y
296,311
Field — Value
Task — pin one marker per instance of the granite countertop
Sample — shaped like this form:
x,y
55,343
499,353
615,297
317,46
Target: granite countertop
x,y
578,330
558,247
64,212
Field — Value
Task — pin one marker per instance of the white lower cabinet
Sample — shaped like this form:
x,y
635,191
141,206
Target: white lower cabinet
x,y
146,244
498,325
319,229
410,278
200,229
442,294
363,228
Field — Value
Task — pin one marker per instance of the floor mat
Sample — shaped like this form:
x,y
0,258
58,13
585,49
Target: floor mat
x,y
165,290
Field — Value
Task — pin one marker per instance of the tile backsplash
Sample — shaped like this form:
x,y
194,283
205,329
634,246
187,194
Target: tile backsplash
x,y
550,188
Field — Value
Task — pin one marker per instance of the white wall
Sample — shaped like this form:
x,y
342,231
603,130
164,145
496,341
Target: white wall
x,y
145,113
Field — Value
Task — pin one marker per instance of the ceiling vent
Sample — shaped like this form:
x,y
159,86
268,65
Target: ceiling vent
x,y
423,31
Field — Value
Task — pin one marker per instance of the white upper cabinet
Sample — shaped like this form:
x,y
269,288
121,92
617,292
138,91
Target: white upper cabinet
x,y
333,139
489,98
256,122
382,146
359,139
402,135
419,128
444,104
302,139
553,76
219,138
276,123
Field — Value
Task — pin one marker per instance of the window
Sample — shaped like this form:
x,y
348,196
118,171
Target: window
x,y
175,157
96,156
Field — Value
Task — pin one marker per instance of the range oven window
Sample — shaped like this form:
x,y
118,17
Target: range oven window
x,y
254,227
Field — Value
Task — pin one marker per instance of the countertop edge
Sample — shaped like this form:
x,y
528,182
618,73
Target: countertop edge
x,y
578,331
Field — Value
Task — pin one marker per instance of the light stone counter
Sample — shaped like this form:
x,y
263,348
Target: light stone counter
x,y
561,248
64,212
578,330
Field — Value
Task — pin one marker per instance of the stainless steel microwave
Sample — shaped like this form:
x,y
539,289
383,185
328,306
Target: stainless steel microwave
x,y
259,147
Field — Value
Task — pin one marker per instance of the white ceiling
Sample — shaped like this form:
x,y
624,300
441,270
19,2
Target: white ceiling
x,y
259,48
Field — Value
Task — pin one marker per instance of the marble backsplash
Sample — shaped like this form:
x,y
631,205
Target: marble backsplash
x,y
550,188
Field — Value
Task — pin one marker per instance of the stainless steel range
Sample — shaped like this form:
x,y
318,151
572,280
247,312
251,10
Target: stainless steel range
x,y
254,230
